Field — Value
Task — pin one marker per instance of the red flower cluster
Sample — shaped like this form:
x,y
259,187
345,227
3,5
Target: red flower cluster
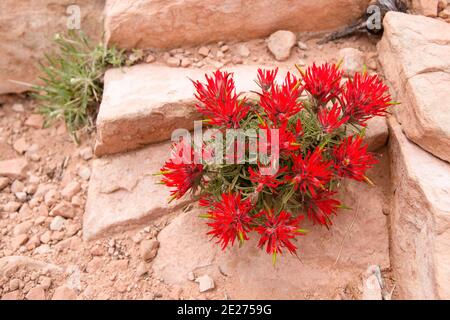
x,y
313,115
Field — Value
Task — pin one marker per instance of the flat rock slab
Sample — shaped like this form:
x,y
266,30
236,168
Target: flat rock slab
x,y
415,55
144,104
123,191
331,259
420,220
171,24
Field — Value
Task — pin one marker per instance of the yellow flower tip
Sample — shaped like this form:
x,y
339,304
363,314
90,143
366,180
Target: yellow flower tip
x,y
297,66
205,216
339,64
274,258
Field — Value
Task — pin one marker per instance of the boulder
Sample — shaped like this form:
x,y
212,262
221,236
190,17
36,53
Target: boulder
x,y
330,259
414,55
124,191
27,32
171,24
420,220
427,8
280,44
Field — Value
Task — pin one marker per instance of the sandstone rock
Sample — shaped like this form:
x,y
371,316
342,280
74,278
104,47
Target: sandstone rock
x,y
244,51
17,186
146,103
18,107
70,190
205,283
18,241
64,293
35,121
184,248
63,209
123,191
420,220
36,293
414,55
302,46
280,44
149,249
352,61
13,168
371,288
427,8
51,197
4,182
149,24
24,44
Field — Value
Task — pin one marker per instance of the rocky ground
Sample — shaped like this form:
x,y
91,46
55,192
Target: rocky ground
x,y
45,177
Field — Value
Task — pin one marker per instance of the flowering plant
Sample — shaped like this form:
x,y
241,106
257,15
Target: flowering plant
x,y
313,125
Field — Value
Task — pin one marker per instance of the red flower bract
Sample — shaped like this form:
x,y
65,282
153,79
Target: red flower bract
x,y
180,173
323,82
351,158
365,97
281,102
321,207
230,218
266,78
331,119
220,104
261,180
277,231
311,172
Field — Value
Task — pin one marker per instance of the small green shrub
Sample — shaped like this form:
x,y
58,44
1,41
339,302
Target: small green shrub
x,y
73,80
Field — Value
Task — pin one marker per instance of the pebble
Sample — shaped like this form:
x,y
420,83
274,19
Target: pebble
x,y
17,186
203,51
186,62
63,209
191,276
243,51
352,61
64,293
36,293
18,241
23,228
280,44
86,153
11,206
14,284
51,197
57,223
35,121
18,107
142,269
21,196
205,283
84,172
71,189
45,282
173,62
21,145
150,58
149,249
45,237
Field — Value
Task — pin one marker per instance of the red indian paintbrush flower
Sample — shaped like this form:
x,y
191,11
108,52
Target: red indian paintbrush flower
x,y
266,78
365,97
277,231
220,104
321,207
287,140
261,180
323,82
230,218
180,173
281,102
331,119
351,158
311,172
